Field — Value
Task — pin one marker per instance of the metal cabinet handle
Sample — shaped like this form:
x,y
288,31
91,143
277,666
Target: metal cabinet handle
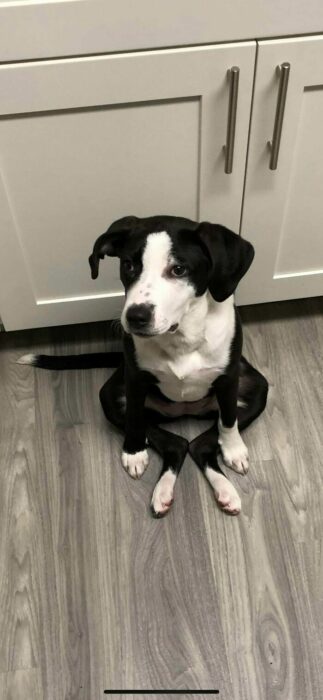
x,y
233,74
284,71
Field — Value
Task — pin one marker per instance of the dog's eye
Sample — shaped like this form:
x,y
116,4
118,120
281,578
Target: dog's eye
x,y
128,265
178,270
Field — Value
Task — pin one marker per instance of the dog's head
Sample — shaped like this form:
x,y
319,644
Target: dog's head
x,y
166,261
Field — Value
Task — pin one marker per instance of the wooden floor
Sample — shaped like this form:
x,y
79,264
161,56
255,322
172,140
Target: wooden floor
x,y
95,594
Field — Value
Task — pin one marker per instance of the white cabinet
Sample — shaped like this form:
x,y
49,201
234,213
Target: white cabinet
x,y
84,141
283,208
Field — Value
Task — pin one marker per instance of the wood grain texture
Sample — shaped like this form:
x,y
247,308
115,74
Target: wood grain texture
x,y
96,594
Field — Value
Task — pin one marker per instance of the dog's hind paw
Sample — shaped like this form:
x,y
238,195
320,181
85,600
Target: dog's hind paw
x,y
163,495
225,494
228,500
135,464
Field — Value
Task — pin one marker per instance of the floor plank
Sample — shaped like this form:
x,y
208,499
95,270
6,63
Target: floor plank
x,y
96,594
21,684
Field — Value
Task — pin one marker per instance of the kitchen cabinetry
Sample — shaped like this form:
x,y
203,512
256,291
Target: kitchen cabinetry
x,y
86,140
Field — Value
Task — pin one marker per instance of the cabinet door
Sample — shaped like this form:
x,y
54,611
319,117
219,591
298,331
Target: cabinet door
x,y
88,140
283,208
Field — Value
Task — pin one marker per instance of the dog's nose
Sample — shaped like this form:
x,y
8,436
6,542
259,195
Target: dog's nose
x,y
139,315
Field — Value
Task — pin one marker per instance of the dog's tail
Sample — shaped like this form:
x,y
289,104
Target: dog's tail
x,y
85,361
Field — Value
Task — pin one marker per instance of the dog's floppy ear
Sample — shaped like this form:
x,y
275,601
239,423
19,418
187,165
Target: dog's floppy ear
x,y
111,242
231,257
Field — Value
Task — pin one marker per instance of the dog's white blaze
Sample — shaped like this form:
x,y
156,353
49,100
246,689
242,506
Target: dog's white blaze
x,y
156,255
225,493
154,262
168,295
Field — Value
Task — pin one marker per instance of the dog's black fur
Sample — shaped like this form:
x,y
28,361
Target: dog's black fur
x,y
215,259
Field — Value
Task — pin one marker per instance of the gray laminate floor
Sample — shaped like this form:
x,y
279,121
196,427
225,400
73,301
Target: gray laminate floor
x,y
96,594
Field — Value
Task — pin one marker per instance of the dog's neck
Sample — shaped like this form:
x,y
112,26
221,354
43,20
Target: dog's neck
x,y
191,329
203,315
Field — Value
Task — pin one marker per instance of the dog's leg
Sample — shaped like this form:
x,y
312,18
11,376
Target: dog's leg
x,y
203,450
127,414
234,451
252,397
252,394
113,399
135,456
241,399
172,449
240,403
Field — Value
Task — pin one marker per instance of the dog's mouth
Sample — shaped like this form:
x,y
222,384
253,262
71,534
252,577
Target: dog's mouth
x,y
173,328
144,334
152,334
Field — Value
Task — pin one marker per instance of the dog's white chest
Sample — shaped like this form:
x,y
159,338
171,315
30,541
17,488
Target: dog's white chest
x,y
188,377
184,370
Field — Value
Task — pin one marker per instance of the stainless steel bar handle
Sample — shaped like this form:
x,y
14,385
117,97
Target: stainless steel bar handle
x,y
233,74
284,71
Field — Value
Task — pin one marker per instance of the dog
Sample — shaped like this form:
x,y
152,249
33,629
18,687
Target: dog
x,y
182,350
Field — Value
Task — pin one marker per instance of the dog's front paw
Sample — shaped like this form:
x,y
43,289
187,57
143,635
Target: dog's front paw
x,y
236,457
234,451
135,464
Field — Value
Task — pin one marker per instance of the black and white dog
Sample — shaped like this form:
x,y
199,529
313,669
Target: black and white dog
x,y
182,350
